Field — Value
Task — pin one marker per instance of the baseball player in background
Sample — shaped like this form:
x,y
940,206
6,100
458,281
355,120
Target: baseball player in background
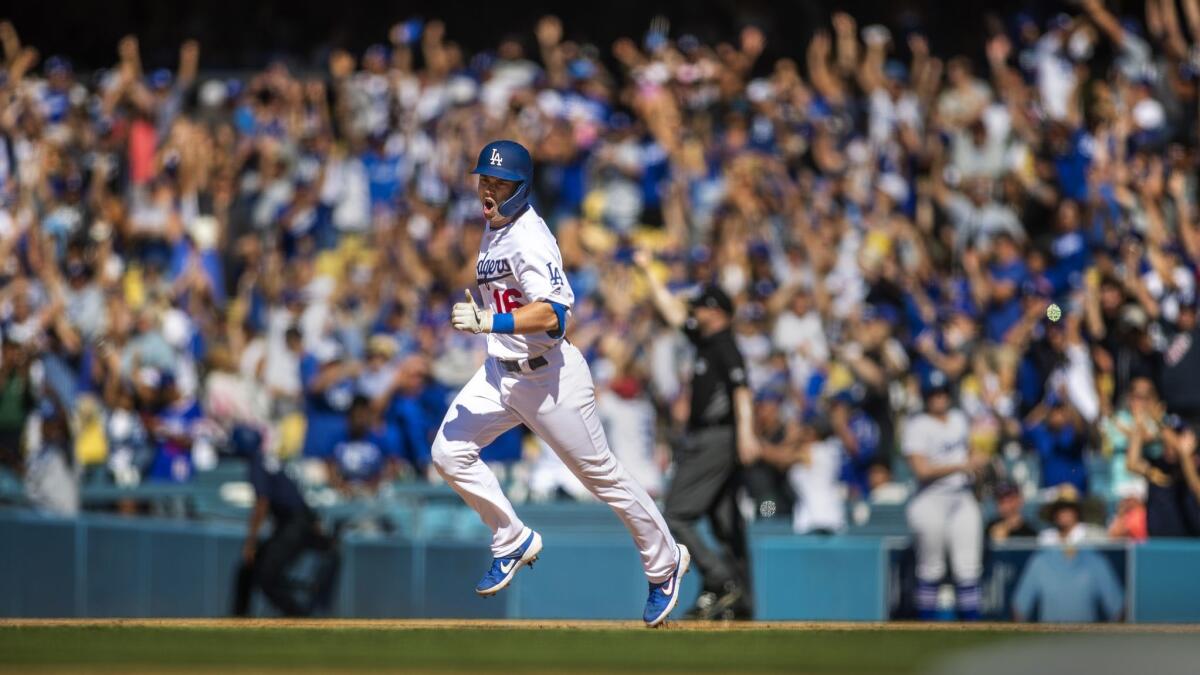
x,y
534,377
944,514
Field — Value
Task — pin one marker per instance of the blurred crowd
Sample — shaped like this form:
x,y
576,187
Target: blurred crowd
x,y
181,255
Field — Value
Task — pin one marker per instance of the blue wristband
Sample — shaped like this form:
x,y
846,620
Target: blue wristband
x,y
503,323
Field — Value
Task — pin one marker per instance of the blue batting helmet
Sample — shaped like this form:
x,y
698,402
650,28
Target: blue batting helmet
x,y
508,160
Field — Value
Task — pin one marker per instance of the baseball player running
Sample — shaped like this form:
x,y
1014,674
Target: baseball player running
x,y
944,515
533,376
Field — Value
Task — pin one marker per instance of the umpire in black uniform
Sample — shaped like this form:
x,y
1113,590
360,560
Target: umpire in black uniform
x,y
720,439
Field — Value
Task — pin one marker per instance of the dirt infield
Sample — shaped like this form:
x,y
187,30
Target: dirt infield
x,y
575,625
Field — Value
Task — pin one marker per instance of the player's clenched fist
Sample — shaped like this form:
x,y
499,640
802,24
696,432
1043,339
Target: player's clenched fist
x,y
469,317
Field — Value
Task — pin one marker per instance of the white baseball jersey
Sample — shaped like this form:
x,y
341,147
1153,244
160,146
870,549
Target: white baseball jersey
x,y
819,504
519,264
942,442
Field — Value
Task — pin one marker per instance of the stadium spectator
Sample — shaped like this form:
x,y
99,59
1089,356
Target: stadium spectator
x,y
173,425
1056,432
1010,518
1129,519
1141,403
51,480
1065,512
1066,583
766,481
858,435
328,378
363,457
1171,508
1186,448
813,469
17,398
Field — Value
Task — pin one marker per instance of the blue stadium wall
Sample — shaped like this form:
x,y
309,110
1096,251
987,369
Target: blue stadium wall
x,y
105,566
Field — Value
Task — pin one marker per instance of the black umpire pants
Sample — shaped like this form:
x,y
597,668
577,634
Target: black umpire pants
x,y
275,558
706,481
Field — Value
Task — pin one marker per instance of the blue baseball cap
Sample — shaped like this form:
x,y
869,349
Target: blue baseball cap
x,y
770,395
160,79
58,65
895,70
581,69
935,382
376,51
851,395
879,313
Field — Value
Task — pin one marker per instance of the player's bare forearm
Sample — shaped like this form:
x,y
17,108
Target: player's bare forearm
x,y
749,449
1191,475
1185,446
743,410
1133,454
536,317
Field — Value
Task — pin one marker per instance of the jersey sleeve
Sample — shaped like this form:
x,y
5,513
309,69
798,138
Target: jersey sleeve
x,y
735,366
539,270
308,372
911,443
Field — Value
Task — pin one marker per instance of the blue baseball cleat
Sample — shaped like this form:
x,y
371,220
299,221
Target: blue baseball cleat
x,y
504,569
664,596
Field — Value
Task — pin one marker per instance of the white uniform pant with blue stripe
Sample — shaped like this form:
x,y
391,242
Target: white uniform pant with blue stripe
x,y
947,524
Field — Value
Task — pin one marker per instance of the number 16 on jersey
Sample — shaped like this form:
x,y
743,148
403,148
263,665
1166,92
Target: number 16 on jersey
x,y
506,300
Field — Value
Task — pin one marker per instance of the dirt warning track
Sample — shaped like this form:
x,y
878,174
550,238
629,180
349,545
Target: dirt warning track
x,y
576,625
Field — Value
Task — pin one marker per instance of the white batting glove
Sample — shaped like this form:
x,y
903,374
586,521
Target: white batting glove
x,y
470,318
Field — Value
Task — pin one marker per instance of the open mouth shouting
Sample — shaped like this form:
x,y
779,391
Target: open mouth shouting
x,y
490,208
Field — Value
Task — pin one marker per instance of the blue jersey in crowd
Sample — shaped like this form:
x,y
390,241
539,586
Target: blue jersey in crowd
x,y
385,175
1072,166
361,458
1002,316
325,410
173,459
856,467
1061,452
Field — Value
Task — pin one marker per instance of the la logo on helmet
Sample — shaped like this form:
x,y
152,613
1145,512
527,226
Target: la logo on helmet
x,y
496,159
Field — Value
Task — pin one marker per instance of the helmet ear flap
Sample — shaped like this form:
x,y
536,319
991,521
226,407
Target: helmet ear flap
x,y
518,200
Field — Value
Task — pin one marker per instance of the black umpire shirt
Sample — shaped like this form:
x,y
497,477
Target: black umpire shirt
x,y
717,371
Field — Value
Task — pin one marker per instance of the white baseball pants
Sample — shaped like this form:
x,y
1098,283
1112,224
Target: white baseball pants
x,y
947,523
557,402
